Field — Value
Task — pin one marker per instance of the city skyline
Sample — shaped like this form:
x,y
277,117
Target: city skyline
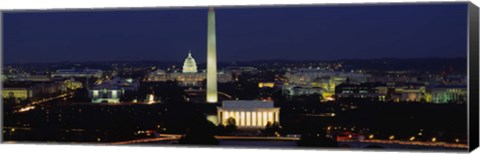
x,y
336,104
122,35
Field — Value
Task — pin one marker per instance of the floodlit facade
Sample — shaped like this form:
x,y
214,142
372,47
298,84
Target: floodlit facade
x,y
306,81
106,95
19,93
189,66
111,91
248,113
363,91
189,75
25,90
186,79
66,73
449,94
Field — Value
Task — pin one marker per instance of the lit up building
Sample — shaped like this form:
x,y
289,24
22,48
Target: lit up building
x,y
308,76
299,91
189,76
111,91
189,65
266,90
410,92
25,90
315,80
18,93
30,77
71,84
150,99
26,77
248,113
448,94
67,73
106,95
266,84
237,70
363,91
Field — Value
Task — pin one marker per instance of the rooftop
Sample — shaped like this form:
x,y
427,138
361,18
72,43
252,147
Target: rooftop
x,y
247,104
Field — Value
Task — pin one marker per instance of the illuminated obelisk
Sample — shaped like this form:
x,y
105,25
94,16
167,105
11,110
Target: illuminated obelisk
x,y
212,96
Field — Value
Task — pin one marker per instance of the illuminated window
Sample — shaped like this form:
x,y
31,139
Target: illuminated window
x,y
114,94
95,93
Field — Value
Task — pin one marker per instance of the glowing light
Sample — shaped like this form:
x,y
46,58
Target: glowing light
x,y
151,99
266,84
265,118
231,114
254,119
434,139
114,94
391,137
242,118
248,119
370,136
259,119
412,138
225,116
270,117
237,117
25,109
95,93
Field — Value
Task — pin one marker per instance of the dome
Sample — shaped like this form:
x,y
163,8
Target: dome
x,y
189,66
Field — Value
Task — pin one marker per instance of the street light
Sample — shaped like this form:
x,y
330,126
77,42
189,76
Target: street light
x,y
391,137
370,136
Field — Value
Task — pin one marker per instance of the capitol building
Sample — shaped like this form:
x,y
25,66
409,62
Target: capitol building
x,y
190,76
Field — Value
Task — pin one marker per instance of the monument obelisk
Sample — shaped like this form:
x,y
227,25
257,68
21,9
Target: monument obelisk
x,y
212,94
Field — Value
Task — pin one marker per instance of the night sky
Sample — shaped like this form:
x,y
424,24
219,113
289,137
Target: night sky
x,y
243,34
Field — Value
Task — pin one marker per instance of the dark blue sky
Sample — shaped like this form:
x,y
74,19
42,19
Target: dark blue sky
x,y
243,34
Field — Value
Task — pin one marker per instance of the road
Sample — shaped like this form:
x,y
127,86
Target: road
x,y
174,137
32,105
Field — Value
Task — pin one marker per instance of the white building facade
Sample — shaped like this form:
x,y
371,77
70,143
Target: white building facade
x,y
248,113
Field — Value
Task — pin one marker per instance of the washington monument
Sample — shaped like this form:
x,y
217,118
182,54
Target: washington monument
x,y
212,96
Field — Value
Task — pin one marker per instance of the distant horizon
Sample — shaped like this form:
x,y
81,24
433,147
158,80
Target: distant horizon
x,y
220,61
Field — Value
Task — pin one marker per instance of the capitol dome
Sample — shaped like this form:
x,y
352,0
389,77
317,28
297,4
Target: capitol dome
x,y
189,66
